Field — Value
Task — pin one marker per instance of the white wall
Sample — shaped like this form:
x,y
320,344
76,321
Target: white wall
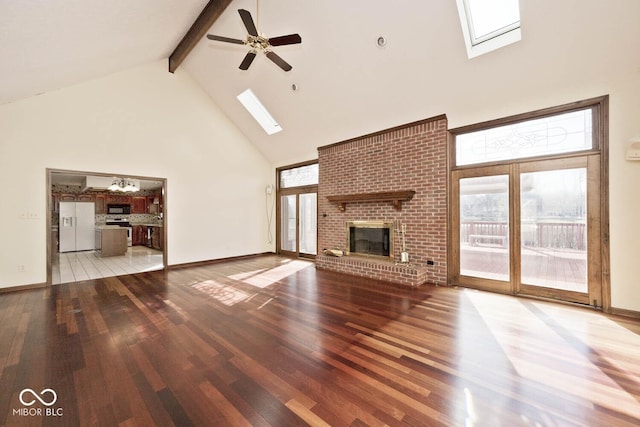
x,y
624,194
146,122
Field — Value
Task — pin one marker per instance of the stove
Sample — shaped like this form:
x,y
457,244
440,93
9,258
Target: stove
x,y
122,222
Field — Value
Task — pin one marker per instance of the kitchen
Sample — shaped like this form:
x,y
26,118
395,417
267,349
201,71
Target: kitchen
x,y
105,225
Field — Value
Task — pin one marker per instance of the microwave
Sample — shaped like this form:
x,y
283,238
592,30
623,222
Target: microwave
x,y
118,209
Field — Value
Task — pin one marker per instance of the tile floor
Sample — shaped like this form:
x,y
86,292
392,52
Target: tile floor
x,y
77,266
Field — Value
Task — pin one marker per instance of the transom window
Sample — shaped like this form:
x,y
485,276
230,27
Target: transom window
x,y
299,176
557,134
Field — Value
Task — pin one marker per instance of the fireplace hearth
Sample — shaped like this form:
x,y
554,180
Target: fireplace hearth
x,y
370,238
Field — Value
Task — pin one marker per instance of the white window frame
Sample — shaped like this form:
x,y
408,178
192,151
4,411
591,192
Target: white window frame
x,y
490,42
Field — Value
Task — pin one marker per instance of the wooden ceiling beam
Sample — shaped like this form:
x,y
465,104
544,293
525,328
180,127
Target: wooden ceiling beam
x,y
201,25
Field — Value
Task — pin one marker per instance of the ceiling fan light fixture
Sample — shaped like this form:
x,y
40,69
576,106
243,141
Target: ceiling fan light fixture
x,y
114,186
130,187
259,43
259,112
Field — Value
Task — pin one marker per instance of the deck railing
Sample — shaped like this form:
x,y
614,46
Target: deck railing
x,y
553,235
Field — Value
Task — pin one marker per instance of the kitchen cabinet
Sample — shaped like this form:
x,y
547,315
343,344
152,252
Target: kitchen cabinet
x,y
99,200
138,204
101,204
118,198
139,237
157,238
61,197
152,207
154,204
143,235
85,198
149,236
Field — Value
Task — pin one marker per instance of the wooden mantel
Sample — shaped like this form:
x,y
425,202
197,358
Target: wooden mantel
x,y
396,197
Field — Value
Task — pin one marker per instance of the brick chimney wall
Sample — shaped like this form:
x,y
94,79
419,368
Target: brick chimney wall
x,y
409,157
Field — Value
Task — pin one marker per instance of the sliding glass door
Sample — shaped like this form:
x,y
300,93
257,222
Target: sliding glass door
x,y
553,229
289,223
559,222
483,211
298,210
484,226
308,226
531,226
298,224
531,230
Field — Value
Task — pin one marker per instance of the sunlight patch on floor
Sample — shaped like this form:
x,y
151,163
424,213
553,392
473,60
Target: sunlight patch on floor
x,y
590,382
225,293
263,278
619,345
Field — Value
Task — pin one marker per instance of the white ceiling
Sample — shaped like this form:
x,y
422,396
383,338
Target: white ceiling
x,y
50,44
347,85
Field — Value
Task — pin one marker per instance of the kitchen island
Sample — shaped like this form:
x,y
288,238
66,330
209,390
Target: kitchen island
x,y
111,240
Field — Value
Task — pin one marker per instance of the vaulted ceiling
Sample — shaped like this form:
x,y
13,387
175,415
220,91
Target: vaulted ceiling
x,y
346,84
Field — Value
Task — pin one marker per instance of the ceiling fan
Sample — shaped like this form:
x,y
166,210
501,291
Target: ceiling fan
x,y
259,42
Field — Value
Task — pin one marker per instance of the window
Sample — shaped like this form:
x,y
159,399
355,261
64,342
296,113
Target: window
x,y
299,176
489,24
562,133
259,112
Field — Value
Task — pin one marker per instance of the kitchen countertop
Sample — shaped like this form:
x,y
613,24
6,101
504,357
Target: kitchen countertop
x,y
106,227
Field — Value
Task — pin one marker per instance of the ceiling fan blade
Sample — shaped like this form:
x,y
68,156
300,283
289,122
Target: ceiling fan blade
x,y
224,39
279,61
248,22
248,59
283,40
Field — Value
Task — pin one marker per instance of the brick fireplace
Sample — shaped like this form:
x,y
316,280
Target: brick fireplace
x,y
397,175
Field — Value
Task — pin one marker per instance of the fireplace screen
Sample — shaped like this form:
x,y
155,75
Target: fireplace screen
x,y
373,238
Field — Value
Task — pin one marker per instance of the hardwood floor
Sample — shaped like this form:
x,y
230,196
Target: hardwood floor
x,y
273,342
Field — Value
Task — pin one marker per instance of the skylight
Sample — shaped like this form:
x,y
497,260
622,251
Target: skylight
x,y
489,24
259,112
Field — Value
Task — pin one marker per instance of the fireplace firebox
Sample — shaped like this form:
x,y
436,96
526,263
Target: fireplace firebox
x,y
370,238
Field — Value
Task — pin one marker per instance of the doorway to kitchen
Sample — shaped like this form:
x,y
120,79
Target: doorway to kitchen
x,y
102,225
297,210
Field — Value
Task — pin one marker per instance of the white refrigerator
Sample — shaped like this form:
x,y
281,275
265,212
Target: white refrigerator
x,y
77,226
